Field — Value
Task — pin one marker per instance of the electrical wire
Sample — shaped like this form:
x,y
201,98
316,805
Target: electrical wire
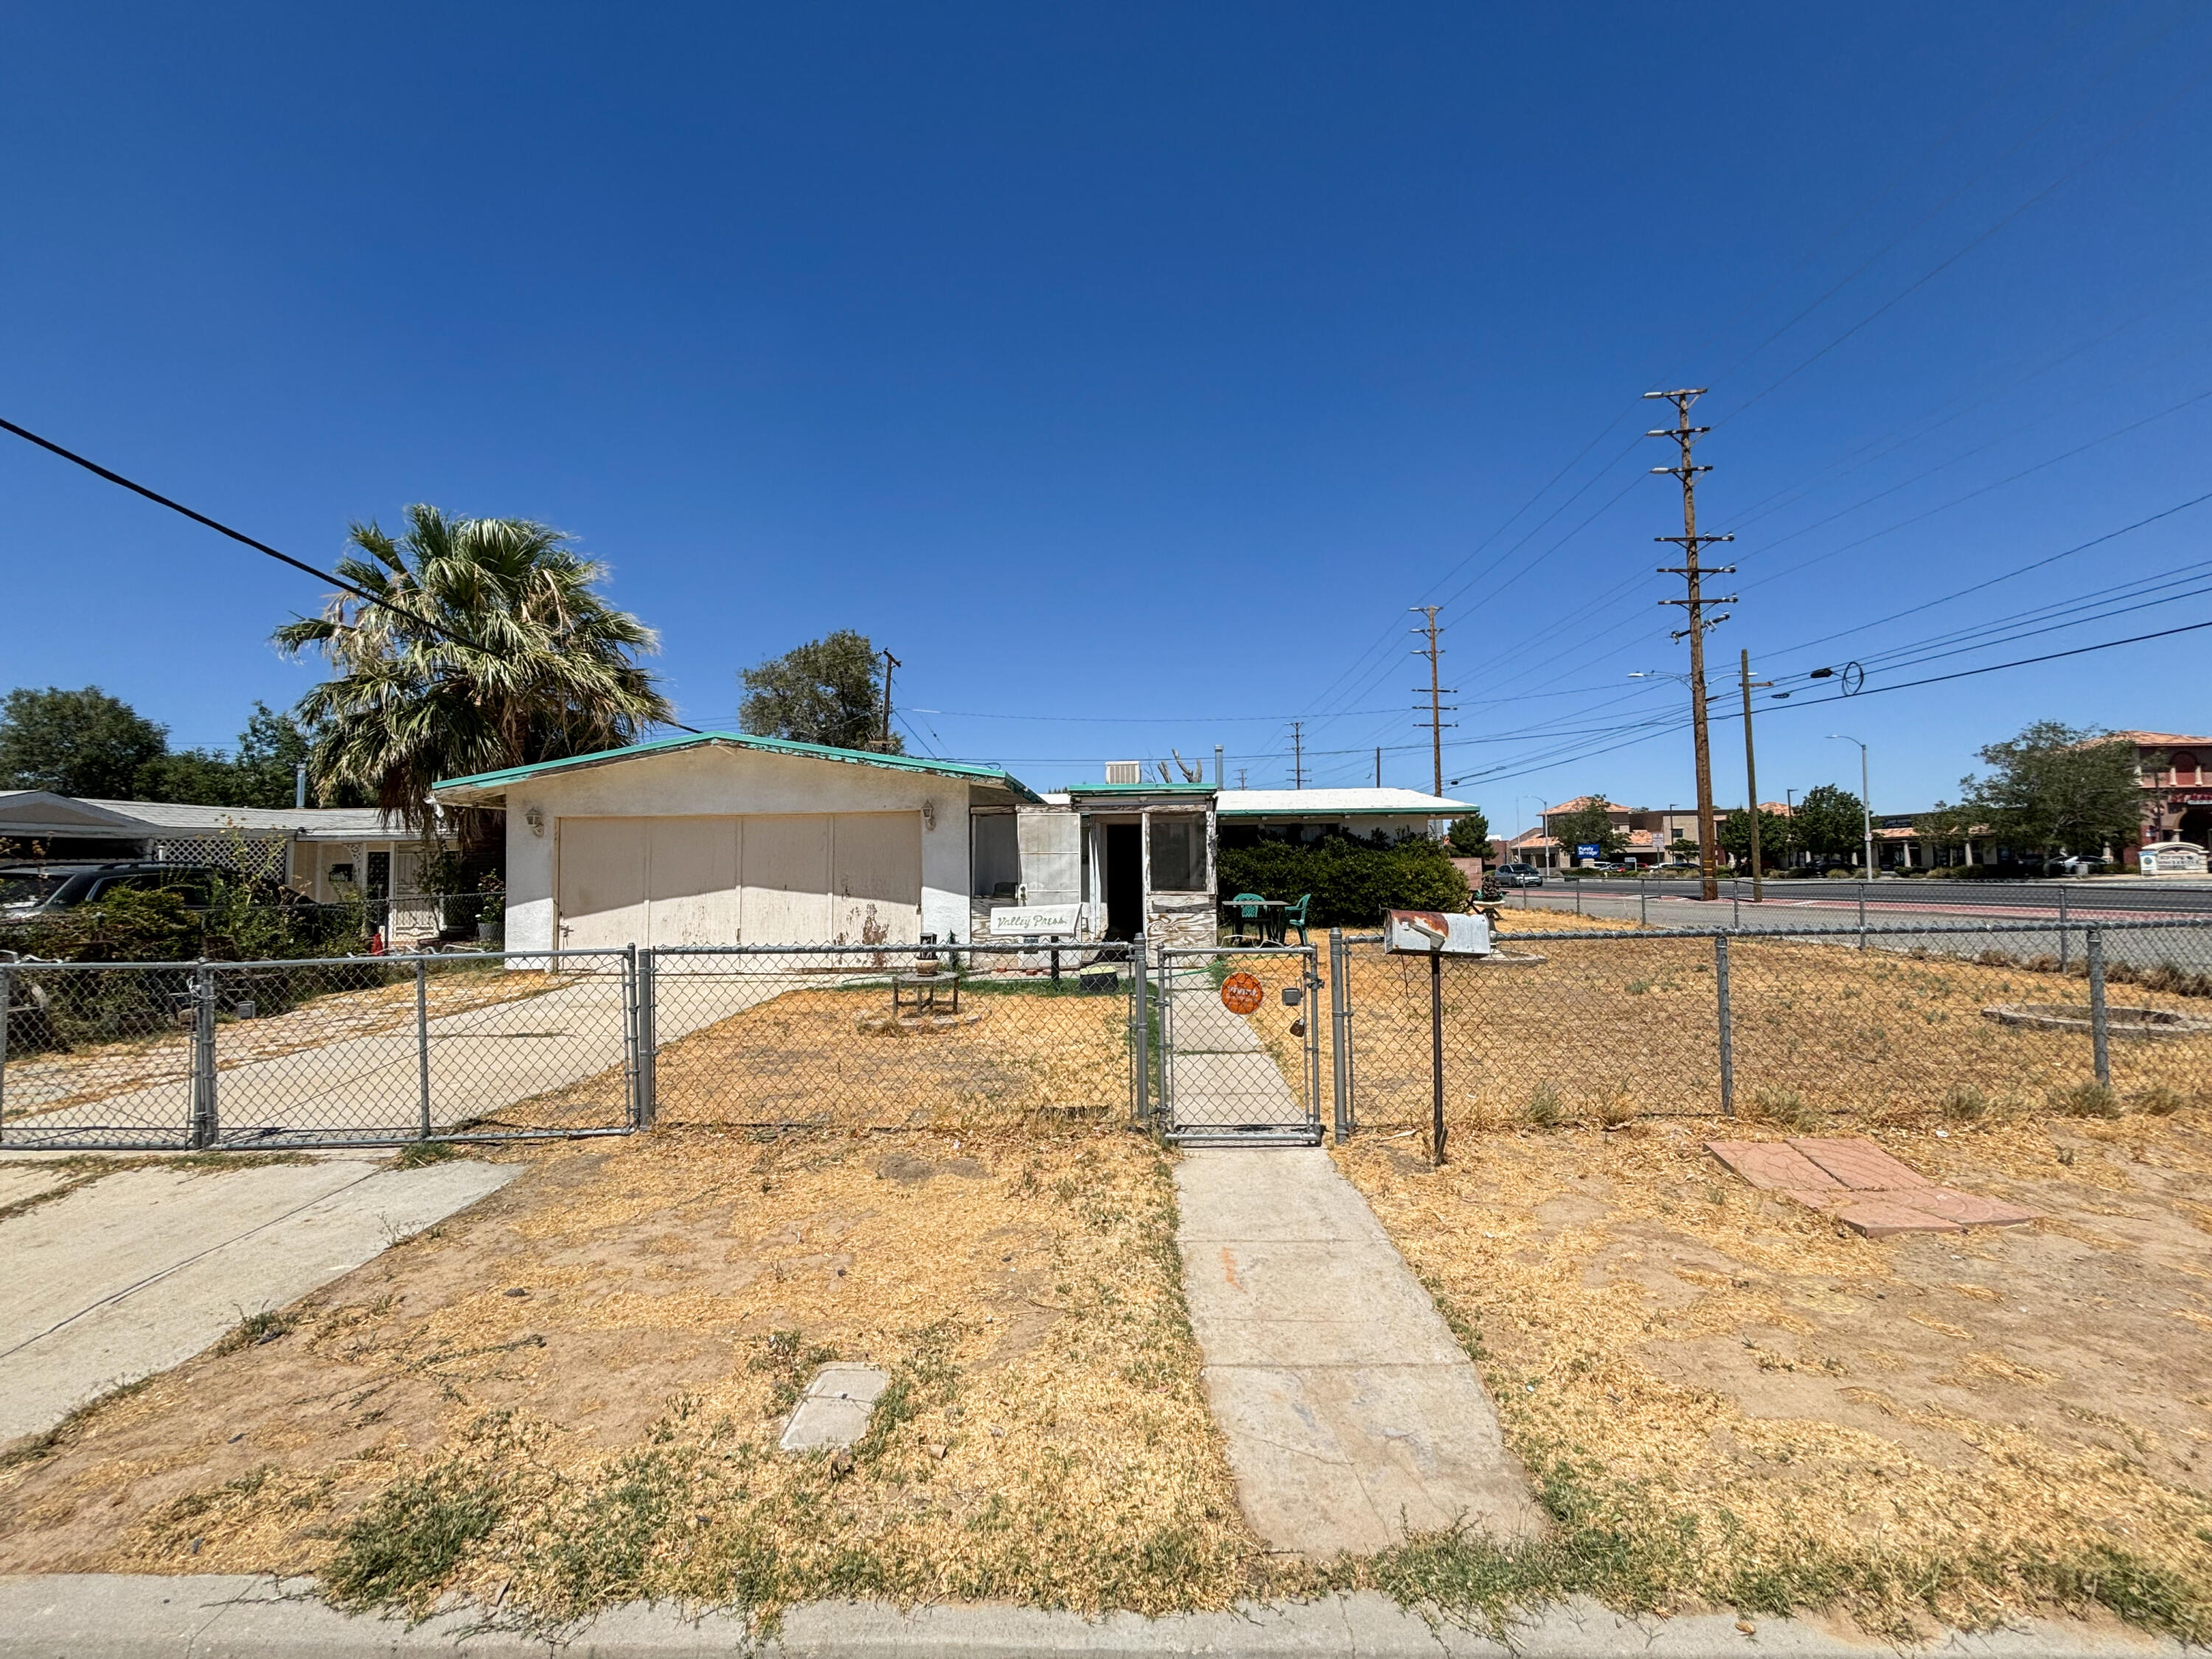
x,y
112,476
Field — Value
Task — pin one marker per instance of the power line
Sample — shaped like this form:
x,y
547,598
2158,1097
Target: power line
x,y
239,536
415,618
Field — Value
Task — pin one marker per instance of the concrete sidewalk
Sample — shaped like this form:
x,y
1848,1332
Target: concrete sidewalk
x,y
142,1269
210,1617
1352,1415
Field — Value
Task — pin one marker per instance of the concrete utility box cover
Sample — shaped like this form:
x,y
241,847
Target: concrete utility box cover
x,y
834,1411
1418,933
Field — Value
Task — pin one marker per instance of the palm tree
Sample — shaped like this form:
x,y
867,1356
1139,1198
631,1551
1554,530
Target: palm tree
x,y
547,671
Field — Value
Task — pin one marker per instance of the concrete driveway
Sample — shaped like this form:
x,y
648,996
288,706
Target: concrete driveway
x,y
114,1278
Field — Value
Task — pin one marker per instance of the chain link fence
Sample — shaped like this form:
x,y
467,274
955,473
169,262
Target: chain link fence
x,y
1787,1027
978,1036
338,1051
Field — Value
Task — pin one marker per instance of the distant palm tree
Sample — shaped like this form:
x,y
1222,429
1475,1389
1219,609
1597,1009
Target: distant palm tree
x,y
547,670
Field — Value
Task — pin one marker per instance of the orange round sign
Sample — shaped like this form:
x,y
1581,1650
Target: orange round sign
x,y
1242,992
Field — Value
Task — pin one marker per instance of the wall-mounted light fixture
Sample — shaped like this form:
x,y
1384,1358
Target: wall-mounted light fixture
x,y
929,815
535,819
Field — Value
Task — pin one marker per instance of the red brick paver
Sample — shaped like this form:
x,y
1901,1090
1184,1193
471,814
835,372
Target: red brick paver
x,y
1861,1186
1772,1165
1859,1163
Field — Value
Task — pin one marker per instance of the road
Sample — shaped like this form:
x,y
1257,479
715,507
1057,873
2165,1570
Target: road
x,y
2026,900
1952,908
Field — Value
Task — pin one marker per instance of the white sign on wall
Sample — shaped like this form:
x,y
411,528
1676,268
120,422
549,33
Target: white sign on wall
x,y
1035,920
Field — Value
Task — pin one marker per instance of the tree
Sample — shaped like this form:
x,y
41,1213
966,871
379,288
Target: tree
x,y
75,743
258,773
493,648
824,692
1830,822
1773,838
1470,834
2055,789
1589,822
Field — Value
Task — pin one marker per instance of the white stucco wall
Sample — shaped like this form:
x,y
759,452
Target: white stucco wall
x,y
692,782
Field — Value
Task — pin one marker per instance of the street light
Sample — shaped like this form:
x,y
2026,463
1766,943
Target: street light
x,y
1866,803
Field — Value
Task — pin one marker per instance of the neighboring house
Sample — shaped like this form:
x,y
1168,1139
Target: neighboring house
x,y
1250,815
329,854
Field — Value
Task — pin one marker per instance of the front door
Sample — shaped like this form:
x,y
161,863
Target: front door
x,y
1124,881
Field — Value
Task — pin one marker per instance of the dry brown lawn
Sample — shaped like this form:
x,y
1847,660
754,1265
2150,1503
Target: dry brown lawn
x,y
1017,1050
1821,1031
1726,1399
571,1394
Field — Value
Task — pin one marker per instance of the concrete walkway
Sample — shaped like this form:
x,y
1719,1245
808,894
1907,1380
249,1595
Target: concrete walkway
x,y
143,1269
211,1617
1219,1076
1352,1415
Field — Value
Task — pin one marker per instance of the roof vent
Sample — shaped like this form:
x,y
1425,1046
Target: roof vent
x,y
1125,771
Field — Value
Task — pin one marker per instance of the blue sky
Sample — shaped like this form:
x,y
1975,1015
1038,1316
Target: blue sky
x,y
1130,371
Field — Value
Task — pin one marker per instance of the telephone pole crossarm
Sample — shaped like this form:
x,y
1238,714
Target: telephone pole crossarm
x,y
1436,693
1695,601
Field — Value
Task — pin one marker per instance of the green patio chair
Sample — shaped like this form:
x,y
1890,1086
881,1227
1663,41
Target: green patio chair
x,y
1294,915
1244,910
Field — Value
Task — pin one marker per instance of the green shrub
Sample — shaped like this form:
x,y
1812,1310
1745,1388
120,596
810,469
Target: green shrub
x,y
1354,880
127,924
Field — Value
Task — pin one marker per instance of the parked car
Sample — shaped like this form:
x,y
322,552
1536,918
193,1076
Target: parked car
x,y
28,891
1519,875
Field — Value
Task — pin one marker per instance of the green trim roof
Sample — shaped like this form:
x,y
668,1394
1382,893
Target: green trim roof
x,y
1139,789
495,781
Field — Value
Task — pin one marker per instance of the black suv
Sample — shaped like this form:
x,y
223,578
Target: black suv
x,y
31,890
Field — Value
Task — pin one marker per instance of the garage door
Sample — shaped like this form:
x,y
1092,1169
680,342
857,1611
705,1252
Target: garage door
x,y
760,878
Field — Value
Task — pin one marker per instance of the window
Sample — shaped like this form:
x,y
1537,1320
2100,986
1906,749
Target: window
x,y
1179,856
2185,766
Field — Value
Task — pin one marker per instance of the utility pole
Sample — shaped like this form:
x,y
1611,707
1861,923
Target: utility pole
x,y
1751,781
1436,693
1217,767
1378,767
890,663
1298,755
1240,777
1686,437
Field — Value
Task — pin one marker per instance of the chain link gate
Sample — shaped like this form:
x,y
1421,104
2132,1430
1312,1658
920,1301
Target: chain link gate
x,y
1240,1045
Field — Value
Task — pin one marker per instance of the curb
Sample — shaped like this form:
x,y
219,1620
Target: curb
x,y
123,1616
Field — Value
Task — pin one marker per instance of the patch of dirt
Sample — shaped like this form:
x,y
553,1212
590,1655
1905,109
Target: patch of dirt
x,y
603,1351
1741,1371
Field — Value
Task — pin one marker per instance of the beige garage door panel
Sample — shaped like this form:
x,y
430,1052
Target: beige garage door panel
x,y
691,874
764,878
786,895
602,883
876,879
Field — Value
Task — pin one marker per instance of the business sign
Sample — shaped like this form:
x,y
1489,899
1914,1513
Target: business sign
x,y
1588,849
1035,920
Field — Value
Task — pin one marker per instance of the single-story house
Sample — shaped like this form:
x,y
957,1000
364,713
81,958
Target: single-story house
x,y
726,838
330,854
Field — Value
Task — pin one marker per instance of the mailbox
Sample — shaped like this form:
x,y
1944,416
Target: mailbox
x,y
1426,933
